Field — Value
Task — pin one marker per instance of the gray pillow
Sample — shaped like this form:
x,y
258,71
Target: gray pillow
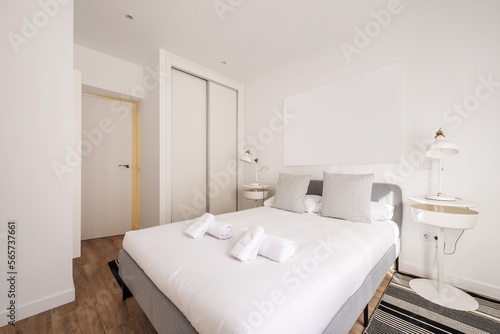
x,y
347,196
290,192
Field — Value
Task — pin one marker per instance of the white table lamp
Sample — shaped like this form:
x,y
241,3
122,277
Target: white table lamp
x,y
440,148
248,157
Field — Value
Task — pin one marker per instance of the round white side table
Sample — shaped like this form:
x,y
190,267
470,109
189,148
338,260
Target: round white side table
x,y
256,192
444,215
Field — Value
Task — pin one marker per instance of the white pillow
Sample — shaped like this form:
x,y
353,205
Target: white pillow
x,y
269,202
381,211
290,192
347,196
312,203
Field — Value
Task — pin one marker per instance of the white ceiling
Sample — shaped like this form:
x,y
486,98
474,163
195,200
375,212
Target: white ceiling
x,y
254,36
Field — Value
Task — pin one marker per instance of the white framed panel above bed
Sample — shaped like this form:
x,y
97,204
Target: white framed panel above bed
x,y
356,120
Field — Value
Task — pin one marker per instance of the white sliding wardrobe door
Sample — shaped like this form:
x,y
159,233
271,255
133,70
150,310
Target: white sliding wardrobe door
x,y
189,146
222,186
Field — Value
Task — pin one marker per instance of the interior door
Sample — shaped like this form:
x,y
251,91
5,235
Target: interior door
x,y
106,167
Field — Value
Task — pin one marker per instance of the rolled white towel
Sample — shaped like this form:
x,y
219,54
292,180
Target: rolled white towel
x,y
221,230
200,226
277,248
247,247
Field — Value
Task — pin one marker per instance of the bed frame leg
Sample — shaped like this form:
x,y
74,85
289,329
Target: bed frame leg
x,y
365,316
126,293
397,264
114,266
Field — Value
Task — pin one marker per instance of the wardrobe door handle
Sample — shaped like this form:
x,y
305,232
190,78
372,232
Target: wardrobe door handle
x,y
126,166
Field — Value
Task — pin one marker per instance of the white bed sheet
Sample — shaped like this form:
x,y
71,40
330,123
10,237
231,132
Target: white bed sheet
x,y
219,294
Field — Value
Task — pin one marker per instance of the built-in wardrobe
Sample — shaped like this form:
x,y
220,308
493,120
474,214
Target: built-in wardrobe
x,y
204,147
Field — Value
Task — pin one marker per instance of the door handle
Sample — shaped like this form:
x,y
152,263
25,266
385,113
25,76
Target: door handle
x,y
126,166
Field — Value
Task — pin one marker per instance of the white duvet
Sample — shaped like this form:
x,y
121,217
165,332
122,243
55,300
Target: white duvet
x,y
219,294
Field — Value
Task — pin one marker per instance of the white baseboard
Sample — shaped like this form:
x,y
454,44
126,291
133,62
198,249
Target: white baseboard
x,y
487,290
38,306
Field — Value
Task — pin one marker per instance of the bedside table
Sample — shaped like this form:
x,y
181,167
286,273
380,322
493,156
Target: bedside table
x,y
256,192
444,215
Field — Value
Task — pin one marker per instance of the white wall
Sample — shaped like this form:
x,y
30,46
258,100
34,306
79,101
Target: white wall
x,y
36,129
150,111
118,77
77,171
443,47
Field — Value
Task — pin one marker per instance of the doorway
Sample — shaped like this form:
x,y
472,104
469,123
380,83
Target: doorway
x,y
110,158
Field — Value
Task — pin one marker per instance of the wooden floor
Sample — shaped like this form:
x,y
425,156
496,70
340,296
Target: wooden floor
x,y
98,307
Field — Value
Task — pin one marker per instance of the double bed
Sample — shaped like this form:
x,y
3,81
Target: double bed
x,y
194,286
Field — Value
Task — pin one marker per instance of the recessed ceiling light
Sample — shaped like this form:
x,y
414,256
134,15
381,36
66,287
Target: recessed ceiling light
x,y
129,17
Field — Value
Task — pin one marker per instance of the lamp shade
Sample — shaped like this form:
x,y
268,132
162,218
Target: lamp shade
x,y
246,157
441,148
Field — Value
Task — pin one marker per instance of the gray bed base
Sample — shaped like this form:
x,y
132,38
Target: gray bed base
x,y
166,317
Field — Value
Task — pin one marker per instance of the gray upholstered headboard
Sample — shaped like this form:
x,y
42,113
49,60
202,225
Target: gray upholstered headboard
x,y
381,192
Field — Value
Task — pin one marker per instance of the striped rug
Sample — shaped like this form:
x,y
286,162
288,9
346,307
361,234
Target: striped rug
x,y
403,311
